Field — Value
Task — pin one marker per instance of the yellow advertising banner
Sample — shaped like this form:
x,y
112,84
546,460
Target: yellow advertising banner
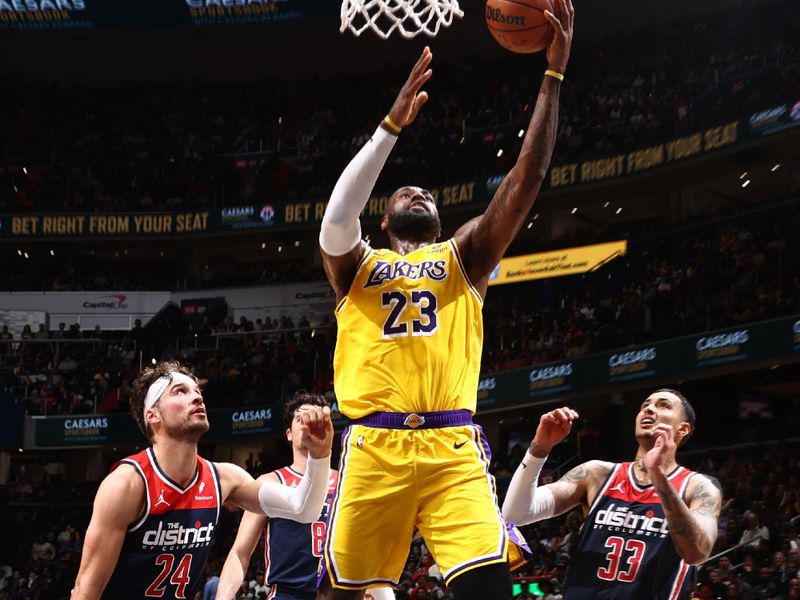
x,y
569,261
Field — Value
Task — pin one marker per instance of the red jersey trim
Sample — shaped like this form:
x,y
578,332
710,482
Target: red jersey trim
x,y
166,479
643,488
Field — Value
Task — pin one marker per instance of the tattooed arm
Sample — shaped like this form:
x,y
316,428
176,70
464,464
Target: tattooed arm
x,y
692,524
525,502
579,486
484,240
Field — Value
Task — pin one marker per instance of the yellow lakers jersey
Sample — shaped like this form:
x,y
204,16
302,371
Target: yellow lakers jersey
x,y
410,334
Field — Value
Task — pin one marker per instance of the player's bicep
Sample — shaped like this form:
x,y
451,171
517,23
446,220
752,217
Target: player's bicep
x,y
573,488
567,493
118,503
705,500
501,222
239,488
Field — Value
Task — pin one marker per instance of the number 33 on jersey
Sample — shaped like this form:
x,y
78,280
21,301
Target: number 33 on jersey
x,y
410,334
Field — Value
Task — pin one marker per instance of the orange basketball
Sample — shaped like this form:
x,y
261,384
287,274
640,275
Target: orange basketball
x,y
519,25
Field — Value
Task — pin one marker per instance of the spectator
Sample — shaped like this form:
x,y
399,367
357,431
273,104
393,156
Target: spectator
x,y
754,533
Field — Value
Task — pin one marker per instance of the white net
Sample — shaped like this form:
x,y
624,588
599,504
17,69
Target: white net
x,y
408,17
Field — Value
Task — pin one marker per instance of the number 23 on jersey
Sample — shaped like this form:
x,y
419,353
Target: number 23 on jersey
x,y
401,321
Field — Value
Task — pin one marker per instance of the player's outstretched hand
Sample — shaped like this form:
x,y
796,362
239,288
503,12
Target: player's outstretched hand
x,y
561,20
316,431
655,461
411,99
553,427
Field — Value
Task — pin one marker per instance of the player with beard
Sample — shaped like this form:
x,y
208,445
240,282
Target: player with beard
x,y
407,359
154,515
647,521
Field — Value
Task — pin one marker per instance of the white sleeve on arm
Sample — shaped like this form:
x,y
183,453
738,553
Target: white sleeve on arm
x,y
341,230
302,503
525,502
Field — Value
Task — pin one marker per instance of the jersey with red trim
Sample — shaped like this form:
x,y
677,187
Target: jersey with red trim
x,y
166,548
292,550
625,551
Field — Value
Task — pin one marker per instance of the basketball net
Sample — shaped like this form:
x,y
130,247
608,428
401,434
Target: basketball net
x,y
409,17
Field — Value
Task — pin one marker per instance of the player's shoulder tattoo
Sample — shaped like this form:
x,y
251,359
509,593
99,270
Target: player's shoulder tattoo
x,y
706,495
590,469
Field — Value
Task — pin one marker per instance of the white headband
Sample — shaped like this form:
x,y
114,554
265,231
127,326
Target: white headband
x,y
160,385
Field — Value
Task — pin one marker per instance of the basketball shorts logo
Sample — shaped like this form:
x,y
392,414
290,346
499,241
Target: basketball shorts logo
x,y
414,420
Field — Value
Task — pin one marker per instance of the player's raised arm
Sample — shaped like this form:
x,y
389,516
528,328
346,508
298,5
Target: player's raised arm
x,y
692,526
340,234
302,503
483,241
119,502
525,501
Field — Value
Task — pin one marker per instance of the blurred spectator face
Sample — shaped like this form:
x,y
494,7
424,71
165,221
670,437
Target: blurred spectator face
x,y
724,563
764,574
732,592
714,576
778,560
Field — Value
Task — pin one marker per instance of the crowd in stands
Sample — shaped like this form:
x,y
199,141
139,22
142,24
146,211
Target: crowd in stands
x,y
41,545
157,147
710,276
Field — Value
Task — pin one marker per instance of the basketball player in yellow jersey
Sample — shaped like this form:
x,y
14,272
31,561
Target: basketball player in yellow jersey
x,y
408,357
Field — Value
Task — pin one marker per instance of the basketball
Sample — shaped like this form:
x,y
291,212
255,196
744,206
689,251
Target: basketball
x,y
520,25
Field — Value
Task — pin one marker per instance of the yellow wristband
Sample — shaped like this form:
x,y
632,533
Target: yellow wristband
x,y
556,74
396,129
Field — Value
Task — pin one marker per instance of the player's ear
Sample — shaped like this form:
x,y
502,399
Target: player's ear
x,y
289,434
685,429
151,415
384,222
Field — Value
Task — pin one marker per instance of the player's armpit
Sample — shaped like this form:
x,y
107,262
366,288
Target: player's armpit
x,y
341,270
579,485
119,502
